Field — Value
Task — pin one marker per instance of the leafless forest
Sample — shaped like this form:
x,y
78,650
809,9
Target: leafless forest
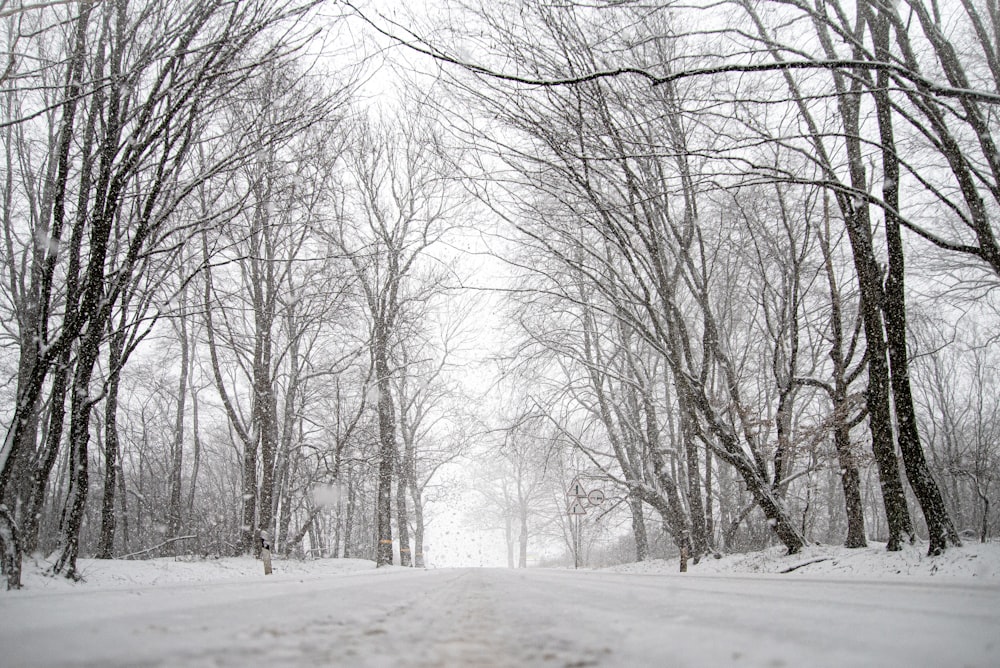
x,y
307,268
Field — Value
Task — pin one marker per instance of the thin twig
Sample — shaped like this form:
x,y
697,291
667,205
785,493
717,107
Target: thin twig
x,y
155,547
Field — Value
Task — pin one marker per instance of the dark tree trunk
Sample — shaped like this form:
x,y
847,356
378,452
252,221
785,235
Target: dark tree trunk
x,y
349,513
699,540
402,517
729,449
418,517
858,222
21,488
877,395
939,525
709,484
46,458
639,527
79,439
196,452
387,447
174,512
247,532
23,425
850,480
248,518
856,217
123,502
106,543
265,413
10,550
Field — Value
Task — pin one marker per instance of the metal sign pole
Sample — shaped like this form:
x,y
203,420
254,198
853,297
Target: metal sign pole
x,y
577,495
576,546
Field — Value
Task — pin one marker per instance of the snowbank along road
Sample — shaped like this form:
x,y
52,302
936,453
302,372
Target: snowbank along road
x,y
484,617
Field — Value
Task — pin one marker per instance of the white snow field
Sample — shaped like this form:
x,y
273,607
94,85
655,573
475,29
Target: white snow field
x,y
165,612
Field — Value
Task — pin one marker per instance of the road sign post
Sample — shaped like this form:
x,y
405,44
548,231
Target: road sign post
x,y
578,498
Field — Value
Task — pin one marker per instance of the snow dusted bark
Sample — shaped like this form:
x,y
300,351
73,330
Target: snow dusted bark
x,y
10,549
175,503
939,525
47,237
402,516
837,389
105,545
79,476
699,537
412,484
858,222
196,454
856,216
386,448
638,527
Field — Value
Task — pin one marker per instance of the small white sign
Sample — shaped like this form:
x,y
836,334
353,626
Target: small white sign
x,y
596,497
576,508
577,490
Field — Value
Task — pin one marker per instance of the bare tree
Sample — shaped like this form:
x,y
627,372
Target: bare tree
x,y
397,204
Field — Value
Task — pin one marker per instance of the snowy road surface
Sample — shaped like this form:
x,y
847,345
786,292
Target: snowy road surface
x,y
480,617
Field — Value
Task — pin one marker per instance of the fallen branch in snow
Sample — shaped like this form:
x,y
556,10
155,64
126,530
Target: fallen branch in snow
x,y
805,563
156,547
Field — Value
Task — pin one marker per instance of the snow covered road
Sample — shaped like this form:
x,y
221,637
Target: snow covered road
x,y
485,617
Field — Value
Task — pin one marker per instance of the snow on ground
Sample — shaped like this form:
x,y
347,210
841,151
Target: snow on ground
x,y
857,607
104,573
972,560
502,618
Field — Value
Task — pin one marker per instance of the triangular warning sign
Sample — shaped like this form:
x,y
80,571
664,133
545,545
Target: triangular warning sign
x,y
576,508
577,490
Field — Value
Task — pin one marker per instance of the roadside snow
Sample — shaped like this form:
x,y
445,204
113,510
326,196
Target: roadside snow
x,y
111,573
972,560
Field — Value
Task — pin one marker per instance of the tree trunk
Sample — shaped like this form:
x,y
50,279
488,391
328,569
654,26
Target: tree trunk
x,y
522,538
939,525
856,217
699,541
418,519
79,438
174,513
123,502
247,533
387,447
349,514
196,452
877,395
709,521
105,546
265,418
508,518
402,517
46,458
638,527
850,480
248,518
10,550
